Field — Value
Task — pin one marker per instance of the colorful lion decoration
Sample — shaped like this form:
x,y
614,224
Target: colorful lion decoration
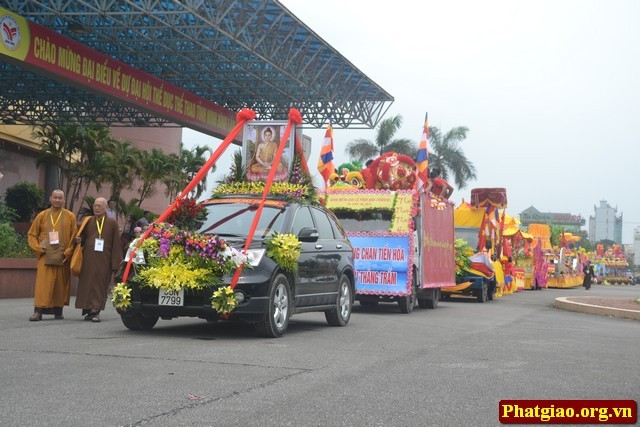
x,y
391,171
349,178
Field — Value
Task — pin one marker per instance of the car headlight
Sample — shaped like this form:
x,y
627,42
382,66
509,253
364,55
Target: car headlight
x,y
254,256
138,258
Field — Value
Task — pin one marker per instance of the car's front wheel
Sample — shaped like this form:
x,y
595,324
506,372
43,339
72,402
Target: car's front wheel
x,y
139,321
342,313
276,319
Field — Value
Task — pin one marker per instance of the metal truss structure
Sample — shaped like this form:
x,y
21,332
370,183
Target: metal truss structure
x,y
248,53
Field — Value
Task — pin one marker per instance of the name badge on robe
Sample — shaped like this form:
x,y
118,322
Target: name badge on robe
x,y
54,238
99,245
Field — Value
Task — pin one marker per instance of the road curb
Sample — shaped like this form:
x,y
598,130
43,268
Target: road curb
x,y
564,304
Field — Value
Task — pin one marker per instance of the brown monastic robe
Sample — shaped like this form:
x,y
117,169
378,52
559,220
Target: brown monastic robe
x,y
97,267
53,283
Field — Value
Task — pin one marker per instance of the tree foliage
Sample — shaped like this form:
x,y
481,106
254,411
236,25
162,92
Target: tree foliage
x,y
88,154
24,199
446,155
364,149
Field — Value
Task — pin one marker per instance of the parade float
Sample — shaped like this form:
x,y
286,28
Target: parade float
x,y
402,236
481,224
565,265
536,262
611,266
518,250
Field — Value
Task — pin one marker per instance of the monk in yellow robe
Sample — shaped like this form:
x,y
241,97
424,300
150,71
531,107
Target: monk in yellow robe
x,y
51,237
101,256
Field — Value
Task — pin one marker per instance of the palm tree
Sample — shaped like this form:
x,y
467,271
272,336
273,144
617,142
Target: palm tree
x,y
153,167
181,169
364,149
75,152
122,160
446,155
191,162
91,167
58,149
172,178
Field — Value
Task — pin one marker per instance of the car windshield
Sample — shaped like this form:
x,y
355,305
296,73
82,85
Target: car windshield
x,y
356,221
234,220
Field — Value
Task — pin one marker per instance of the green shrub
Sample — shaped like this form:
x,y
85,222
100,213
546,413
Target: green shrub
x,y
6,213
12,244
25,198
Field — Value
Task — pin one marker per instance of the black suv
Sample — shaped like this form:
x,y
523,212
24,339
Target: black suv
x,y
267,295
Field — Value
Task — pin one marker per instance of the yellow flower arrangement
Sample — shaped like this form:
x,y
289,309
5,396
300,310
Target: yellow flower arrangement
x,y
121,296
180,259
286,189
462,253
285,250
224,300
173,277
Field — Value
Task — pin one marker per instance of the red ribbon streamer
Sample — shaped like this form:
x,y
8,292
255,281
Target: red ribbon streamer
x,y
242,117
296,118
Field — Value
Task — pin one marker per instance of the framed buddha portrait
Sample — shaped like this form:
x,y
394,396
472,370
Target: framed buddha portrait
x,y
260,142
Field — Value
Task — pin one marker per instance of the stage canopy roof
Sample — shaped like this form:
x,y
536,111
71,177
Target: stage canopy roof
x,y
250,53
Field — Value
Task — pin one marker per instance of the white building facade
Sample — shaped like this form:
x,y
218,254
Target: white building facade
x,y
605,224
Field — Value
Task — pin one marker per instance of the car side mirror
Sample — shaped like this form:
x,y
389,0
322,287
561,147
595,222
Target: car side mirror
x,y
308,234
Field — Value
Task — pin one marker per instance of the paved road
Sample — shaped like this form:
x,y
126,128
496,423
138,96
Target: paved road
x,y
445,367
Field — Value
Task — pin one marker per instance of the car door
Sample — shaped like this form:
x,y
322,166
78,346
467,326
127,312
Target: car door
x,y
327,258
307,263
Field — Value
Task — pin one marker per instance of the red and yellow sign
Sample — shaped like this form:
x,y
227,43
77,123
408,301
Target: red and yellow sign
x,y
402,215
46,52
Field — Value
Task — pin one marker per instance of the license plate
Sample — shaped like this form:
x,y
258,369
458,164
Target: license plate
x,y
174,298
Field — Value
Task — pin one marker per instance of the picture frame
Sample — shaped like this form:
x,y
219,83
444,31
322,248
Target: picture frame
x,y
260,142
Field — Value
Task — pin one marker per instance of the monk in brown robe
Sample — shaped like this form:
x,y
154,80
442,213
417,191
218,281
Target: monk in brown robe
x,y
101,256
53,231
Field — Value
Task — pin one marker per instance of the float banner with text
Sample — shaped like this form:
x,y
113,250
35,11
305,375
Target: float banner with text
x,y
438,251
46,52
361,200
381,263
568,411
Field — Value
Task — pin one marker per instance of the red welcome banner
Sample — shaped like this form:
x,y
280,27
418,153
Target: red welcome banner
x,y
46,52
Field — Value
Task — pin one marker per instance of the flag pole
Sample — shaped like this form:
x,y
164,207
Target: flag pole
x,y
422,160
326,166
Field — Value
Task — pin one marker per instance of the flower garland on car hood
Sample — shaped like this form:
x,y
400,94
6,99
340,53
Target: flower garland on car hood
x,y
180,259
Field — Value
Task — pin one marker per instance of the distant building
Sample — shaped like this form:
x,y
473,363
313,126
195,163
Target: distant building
x,y
571,223
605,224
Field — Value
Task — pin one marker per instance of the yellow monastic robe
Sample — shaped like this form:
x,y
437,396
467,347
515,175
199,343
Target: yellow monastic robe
x,y
53,283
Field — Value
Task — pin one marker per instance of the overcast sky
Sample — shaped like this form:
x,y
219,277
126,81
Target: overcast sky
x,y
550,90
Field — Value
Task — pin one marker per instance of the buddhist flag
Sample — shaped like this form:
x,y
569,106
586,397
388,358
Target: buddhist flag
x,y
422,161
325,163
